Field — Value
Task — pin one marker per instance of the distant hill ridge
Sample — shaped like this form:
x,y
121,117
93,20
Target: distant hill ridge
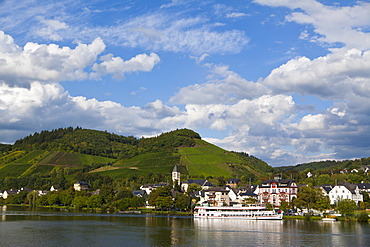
x,y
119,156
104,153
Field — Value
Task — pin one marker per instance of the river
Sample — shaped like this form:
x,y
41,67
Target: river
x,y
47,227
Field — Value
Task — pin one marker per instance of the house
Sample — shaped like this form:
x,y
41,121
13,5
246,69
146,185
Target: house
x,y
345,191
42,192
28,190
216,196
7,193
54,188
202,182
247,195
233,182
325,188
364,187
148,188
233,194
365,168
277,190
139,193
96,192
81,185
240,195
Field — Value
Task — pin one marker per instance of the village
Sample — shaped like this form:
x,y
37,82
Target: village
x,y
276,193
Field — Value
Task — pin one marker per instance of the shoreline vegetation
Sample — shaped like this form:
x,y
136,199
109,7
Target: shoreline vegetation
x,y
142,210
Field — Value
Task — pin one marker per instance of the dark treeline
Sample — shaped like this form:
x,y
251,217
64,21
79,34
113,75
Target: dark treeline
x,y
65,177
102,143
257,163
329,166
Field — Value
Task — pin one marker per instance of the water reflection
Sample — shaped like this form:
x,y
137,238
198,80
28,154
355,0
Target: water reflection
x,y
239,232
281,233
27,227
3,212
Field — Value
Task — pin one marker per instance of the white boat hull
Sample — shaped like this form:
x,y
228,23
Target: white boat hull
x,y
273,217
248,213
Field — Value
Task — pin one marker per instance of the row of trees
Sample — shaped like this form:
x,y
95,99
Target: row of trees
x,y
310,198
102,143
107,198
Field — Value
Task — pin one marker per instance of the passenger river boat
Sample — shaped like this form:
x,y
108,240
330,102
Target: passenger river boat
x,y
250,212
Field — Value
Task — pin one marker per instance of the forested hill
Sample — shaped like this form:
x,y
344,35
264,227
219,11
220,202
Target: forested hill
x,y
82,153
102,143
329,165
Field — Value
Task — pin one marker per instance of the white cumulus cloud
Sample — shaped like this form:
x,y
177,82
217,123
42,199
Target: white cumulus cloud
x,y
341,24
117,66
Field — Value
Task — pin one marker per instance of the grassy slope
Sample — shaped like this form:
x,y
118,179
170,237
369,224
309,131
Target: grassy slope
x,y
26,164
202,160
142,165
209,160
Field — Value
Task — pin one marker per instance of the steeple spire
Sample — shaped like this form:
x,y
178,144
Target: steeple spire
x,y
176,174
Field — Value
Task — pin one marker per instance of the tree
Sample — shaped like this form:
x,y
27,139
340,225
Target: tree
x,y
309,197
32,198
176,185
53,198
182,202
123,193
322,203
136,202
80,201
66,196
20,197
363,217
347,207
250,200
107,193
164,202
284,206
221,181
122,204
94,201
164,191
193,187
366,198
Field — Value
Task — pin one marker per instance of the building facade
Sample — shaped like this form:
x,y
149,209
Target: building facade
x,y
81,185
216,196
176,175
277,190
345,191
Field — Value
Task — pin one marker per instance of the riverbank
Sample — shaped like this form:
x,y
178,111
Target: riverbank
x,y
143,210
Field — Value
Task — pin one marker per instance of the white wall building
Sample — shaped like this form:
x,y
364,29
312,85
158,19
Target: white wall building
x,y
276,191
216,196
176,175
345,191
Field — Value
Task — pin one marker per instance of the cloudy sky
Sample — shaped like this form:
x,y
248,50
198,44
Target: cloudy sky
x,y
286,81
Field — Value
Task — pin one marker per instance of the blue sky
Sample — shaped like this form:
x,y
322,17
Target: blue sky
x,y
286,81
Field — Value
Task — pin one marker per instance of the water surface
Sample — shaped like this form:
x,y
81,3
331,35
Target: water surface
x,y
25,227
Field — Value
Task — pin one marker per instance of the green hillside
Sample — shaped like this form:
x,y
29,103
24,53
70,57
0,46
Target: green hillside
x,y
328,165
201,160
75,153
22,163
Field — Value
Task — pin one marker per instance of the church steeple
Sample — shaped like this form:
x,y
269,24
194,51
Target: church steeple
x,y
176,174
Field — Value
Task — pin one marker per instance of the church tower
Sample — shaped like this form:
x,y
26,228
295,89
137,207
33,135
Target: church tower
x,y
176,174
